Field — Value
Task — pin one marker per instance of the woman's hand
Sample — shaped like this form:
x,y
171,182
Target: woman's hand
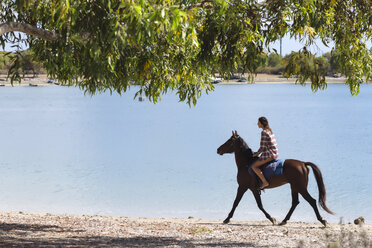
x,y
255,154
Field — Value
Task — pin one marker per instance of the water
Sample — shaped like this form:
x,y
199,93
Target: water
x,y
63,152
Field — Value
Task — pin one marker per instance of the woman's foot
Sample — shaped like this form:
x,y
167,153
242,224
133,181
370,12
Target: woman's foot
x,y
264,185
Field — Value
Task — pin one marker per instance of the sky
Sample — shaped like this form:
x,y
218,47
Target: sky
x,y
289,45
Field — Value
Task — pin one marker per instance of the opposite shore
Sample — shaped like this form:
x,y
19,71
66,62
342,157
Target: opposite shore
x,y
42,80
19,229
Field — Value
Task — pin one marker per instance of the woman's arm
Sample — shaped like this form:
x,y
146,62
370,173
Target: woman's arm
x,y
262,144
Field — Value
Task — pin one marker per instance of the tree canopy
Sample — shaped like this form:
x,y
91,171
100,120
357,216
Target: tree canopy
x,y
176,45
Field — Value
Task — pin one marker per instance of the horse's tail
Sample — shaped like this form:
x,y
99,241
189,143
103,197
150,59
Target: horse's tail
x,y
321,187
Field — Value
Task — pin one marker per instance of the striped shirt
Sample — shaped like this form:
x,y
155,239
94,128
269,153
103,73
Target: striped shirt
x,y
268,146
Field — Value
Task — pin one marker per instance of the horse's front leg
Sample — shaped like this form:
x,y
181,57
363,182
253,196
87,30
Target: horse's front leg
x,y
239,195
257,196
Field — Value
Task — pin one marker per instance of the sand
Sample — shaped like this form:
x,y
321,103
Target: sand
x,y
40,80
18,229
278,79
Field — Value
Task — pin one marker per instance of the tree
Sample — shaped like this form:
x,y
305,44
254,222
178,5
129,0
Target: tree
x,y
274,60
323,65
4,60
176,45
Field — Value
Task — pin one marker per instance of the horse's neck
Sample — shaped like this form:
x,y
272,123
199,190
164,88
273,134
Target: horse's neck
x,y
241,160
243,176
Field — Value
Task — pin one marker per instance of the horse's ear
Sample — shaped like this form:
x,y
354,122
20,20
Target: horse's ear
x,y
232,133
236,133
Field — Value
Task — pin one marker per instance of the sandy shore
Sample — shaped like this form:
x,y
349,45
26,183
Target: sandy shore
x,y
42,80
277,79
51,230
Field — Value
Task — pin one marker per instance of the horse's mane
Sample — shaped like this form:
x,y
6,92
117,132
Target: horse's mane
x,y
244,148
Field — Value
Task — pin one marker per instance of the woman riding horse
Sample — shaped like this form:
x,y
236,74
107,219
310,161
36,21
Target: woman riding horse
x,y
295,172
268,149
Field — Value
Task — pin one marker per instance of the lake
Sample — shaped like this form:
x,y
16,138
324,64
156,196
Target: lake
x,y
65,152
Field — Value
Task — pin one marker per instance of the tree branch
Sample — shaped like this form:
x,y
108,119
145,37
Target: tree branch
x,y
28,29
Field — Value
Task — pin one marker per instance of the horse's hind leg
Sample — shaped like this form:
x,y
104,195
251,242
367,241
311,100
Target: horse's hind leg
x,y
257,196
305,194
295,202
239,195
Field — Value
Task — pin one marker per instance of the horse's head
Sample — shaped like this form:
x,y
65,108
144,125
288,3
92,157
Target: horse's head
x,y
229,145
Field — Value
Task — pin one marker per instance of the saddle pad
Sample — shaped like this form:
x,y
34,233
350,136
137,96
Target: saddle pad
x,y
275,168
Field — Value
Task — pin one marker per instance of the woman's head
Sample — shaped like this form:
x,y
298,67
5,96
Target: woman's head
x,y
265,123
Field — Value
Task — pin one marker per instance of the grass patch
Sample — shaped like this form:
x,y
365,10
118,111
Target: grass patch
x,y
202,230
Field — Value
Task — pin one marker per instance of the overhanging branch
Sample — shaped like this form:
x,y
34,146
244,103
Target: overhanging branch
x,y
28,29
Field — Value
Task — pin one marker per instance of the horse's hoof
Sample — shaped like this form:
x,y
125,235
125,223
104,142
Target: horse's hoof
x,y
226,221
283,223
274,221
325,223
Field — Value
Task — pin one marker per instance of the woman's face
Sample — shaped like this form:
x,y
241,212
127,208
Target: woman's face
x,y
259,124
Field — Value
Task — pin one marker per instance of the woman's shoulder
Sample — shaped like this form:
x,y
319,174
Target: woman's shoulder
x,y
267,133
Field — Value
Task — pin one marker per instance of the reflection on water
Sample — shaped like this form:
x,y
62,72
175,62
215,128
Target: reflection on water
x,y
63,152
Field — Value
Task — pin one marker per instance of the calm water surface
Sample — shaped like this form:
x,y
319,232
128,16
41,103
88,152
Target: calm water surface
x,y
63,152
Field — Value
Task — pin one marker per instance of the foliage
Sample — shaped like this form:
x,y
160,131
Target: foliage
x,y
4,60
274,59
306,63
273,64
175,45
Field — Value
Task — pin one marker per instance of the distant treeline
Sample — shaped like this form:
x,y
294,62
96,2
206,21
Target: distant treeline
x,y
271,63
7,60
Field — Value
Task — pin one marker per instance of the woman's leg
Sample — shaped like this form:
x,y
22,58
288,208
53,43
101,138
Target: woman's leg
x,y
255,168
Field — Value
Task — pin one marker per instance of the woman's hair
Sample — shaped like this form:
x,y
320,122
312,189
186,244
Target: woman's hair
x,y
265,123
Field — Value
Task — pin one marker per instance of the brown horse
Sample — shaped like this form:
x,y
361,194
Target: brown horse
x,y
294,172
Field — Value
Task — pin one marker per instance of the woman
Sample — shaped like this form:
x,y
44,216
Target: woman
x,y
268,149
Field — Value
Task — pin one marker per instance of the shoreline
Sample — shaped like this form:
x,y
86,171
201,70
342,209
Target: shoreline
x,y
278,79
21,229
42,80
